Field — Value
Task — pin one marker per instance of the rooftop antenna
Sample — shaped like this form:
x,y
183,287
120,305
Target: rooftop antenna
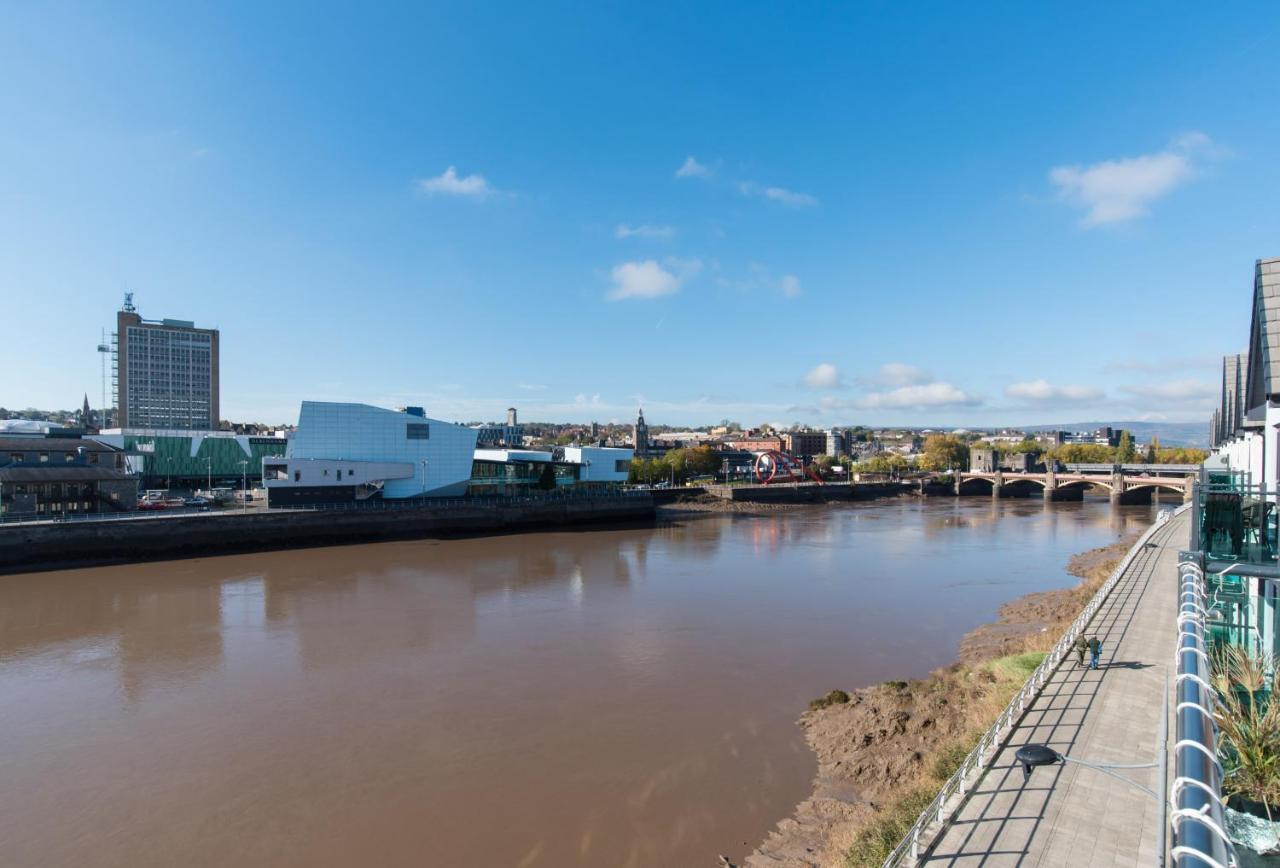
x,y
128,303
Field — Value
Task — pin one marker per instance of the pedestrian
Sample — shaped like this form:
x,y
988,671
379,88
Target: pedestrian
x,y
1081,646
1095,652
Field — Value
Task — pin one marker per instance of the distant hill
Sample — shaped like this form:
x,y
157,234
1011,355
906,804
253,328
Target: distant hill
x,y
1195,434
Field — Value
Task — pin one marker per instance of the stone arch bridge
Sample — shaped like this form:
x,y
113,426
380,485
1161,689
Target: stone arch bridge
x,y
1122,487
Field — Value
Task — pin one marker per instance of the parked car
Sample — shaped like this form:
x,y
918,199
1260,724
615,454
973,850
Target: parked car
x,y
196,502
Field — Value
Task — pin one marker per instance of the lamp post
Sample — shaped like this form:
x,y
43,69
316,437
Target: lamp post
x,y
244,485
1031,755
208,463
424,477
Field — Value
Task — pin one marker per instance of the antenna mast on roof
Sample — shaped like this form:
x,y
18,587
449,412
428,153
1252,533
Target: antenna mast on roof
x,y
128,303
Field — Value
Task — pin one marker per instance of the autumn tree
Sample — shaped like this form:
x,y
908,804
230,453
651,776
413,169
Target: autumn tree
x,y
1084,453
1125,452
945,452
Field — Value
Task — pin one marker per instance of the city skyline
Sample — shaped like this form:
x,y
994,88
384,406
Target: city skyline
x,y
819,216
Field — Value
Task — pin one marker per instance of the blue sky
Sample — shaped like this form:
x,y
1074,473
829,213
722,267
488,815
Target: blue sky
x,y
879,213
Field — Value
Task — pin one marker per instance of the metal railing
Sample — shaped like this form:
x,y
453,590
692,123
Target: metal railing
x,y
495,500
485,501
933,820
126,515
1196,811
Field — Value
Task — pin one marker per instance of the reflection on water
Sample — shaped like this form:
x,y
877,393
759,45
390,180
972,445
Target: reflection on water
x,y
609,697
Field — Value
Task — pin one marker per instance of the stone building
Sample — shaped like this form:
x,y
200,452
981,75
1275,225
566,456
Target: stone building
x,y
983,459
47,476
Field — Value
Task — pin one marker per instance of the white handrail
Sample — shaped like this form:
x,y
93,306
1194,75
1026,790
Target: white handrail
x,y
1195,797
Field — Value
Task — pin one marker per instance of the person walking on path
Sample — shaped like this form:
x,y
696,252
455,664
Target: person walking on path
x,y
1081,645
1095,652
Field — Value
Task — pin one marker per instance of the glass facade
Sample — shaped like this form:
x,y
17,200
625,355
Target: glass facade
x,y
1237,532
169,457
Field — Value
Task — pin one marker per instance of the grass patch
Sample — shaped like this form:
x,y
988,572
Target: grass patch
x,y
1016,667
947,759
876,841
835,697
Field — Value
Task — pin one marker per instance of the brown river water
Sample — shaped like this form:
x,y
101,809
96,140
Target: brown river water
x,y
604,697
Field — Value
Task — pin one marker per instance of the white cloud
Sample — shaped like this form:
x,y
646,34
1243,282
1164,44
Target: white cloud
x,y
691,168
643,231
531,387
823,376
450,184
1114,191
648,279
1177,390
1044,391
777,194
923,395
894,374
790,285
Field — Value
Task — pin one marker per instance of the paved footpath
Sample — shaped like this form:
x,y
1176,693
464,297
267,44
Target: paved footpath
x,y
1066,814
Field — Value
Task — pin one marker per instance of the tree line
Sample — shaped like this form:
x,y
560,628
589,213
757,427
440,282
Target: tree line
x,y
940,452
676,466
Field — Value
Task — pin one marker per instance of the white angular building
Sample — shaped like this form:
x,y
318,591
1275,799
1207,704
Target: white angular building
x,y
600,464
352,452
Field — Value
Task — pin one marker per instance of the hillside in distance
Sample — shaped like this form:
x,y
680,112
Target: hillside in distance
x,y
1195,434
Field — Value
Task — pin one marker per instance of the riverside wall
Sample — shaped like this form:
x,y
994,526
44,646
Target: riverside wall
x,y
27,547
807,492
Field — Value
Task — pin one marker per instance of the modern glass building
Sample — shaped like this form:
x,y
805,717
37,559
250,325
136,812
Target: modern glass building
x,y
193,459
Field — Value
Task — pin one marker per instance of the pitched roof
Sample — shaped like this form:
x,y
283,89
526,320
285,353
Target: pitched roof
x,y
1264,335
52,444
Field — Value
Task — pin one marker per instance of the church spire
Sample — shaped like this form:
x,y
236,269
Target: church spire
x,y
640,434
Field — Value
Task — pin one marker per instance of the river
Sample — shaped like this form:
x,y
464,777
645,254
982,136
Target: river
x,y
605,697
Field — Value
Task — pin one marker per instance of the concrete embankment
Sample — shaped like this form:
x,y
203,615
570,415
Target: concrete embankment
x,y
57,545
807,492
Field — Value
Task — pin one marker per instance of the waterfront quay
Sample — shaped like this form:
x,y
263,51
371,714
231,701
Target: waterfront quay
x,y
48,545
1115,716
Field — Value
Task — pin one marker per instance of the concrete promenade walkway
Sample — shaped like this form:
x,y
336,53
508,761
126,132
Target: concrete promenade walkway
x,y
1066,814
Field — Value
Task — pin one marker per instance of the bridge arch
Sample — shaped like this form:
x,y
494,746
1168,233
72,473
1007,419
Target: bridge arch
x,y
1022,481
1157,486
969,484
1085,483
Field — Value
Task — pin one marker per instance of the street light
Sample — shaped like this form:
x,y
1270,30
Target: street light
x,y
244,485
1033,755
424,477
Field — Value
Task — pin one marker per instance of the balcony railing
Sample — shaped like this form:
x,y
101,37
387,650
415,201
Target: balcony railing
x,y
1236,520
